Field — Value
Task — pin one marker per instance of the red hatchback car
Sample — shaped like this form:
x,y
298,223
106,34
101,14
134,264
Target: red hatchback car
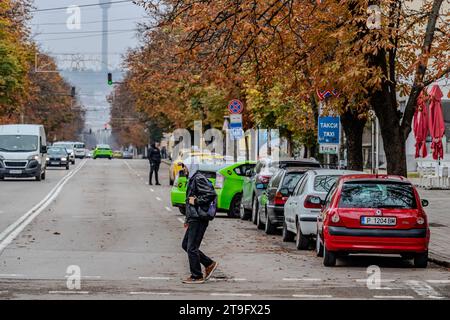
x,y
373,214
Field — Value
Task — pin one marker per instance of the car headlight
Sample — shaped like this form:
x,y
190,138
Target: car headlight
x,y
48,159
34,157
63,159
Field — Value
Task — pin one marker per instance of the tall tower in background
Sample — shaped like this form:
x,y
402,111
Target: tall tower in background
x,y
105,5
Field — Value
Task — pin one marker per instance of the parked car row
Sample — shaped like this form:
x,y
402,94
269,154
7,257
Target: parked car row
x,y
341,212
335,212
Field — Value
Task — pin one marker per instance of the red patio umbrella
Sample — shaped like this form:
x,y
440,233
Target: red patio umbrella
x,y
421,126
436,122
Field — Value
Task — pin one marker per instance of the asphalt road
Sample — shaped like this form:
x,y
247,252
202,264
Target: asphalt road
x,y
102,217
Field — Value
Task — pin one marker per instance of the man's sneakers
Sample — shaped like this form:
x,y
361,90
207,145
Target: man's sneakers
x,y
192,280
209,270
208,273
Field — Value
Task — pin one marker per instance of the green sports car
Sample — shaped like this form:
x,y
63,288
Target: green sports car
x,y
103,151
228,184
178,191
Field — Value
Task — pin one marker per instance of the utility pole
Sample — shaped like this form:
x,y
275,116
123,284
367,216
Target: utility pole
x,y
105,5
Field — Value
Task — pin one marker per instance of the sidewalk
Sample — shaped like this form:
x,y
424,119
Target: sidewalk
x,y
439,218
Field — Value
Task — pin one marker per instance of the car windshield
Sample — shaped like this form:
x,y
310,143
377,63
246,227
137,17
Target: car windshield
x,y
64,145
377,194
324,183
18,143
79,146
291,179
57,151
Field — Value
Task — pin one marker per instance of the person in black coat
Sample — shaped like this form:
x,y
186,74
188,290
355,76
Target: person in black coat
x,y
154,157
199,195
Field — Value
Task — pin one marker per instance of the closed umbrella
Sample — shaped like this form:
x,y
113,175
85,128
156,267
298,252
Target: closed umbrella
x,y
436,122
421,126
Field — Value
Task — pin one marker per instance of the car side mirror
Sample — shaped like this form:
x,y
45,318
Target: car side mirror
x,y
249,173
43,149
425,203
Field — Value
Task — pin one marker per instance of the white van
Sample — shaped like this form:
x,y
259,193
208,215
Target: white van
x,y
23,151
80,150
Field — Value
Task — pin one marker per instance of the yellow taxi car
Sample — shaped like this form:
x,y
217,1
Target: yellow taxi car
x,y
183,154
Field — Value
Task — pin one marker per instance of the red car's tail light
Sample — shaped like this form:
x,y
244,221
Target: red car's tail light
x,y
312,203
280,199
420,221
335,218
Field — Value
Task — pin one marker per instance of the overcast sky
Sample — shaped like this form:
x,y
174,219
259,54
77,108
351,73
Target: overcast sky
x,y
51,32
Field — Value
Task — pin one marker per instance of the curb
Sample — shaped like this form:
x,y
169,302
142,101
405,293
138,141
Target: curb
x,y
439,260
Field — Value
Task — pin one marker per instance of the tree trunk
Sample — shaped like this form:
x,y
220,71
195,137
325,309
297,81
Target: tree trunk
x,y
394,141
353,128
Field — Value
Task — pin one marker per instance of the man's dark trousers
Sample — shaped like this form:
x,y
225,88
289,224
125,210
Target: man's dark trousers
x,y
154,167
191,244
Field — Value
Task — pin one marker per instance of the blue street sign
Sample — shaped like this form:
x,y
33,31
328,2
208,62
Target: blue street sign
x,y
236,133
329,130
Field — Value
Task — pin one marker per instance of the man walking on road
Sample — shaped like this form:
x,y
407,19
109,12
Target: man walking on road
x,y
199,196
154,156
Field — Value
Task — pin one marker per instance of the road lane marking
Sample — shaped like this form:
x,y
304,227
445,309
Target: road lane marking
x,y
68,292
324,296
225,279
302,279
12,275
181,220
381,280
393,297
152,190
4,292
150,293
11,232
158,198
168,209
155,278
423,289
91,277
217,294
438,281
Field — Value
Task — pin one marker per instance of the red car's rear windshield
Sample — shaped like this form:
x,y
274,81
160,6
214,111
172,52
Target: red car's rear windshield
x,y
376,194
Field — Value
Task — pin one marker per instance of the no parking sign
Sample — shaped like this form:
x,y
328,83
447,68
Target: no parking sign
x,y
235,106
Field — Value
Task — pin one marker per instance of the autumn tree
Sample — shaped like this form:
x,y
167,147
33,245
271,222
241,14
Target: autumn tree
x,y
13,58
328,45
27,95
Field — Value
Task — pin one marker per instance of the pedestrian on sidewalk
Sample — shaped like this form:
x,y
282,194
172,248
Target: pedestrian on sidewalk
x,y
154,157
200,196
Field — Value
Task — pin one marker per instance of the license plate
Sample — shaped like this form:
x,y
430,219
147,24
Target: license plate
x,y
15,171
379,221
54,162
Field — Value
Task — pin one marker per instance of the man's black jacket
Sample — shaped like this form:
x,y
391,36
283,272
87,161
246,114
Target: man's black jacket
x,y
154,155
199,187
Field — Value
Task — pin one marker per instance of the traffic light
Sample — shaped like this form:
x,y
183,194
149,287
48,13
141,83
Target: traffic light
x,y
73,92
110,81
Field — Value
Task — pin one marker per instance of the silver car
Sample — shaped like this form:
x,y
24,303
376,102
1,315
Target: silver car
x,y
305,203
